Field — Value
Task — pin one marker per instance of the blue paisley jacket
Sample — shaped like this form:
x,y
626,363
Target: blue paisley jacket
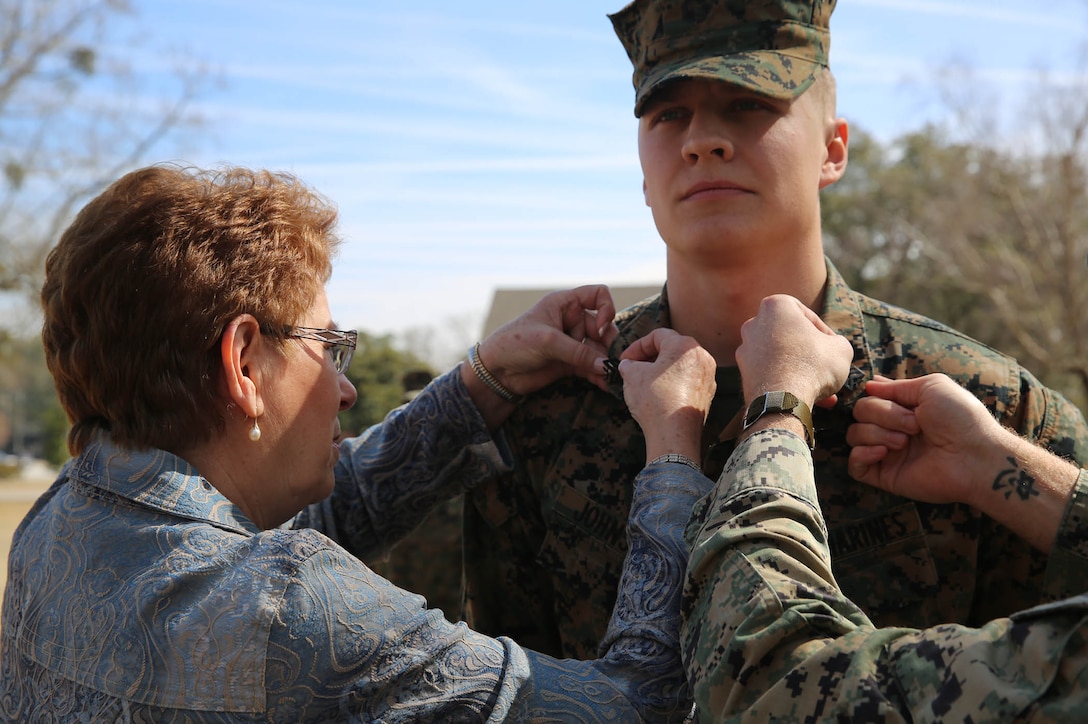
x,y
137,592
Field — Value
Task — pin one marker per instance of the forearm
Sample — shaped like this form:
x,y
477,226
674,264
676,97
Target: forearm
x,y
492,408
770,636
759,581
1048,419
1022,486
390,477
639,670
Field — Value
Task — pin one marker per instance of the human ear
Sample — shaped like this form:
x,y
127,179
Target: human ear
x,y
646,194
239,353
834,165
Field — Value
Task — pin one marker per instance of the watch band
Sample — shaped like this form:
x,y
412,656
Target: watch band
x,y
784,402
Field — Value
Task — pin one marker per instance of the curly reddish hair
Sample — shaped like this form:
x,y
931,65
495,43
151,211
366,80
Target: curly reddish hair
x,y
141,286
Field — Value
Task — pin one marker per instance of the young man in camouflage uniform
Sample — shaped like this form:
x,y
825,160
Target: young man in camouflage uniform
x,y
737,134
761,563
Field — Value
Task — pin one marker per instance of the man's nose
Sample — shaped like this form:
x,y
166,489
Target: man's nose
x,y
706,138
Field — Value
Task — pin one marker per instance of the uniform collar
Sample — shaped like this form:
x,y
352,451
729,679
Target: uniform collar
x,y
841,311
636,322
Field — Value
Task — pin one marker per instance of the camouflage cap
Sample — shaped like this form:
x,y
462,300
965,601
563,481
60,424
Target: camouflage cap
x,y
772,47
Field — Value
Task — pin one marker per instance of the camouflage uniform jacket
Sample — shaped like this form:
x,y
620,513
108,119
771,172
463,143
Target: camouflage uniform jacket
x,y
544,544
769,637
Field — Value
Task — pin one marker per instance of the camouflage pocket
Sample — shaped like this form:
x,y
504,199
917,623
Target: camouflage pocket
x,y
882,562
580,518
584,551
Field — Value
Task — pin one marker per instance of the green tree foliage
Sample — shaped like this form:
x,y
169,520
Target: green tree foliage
x,y
878,221
384,376
31,419
990,239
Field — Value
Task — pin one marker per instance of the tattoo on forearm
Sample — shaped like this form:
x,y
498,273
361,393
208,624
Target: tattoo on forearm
x,y
1015,480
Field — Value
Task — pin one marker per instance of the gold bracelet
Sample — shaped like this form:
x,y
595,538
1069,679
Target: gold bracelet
x,y
489,379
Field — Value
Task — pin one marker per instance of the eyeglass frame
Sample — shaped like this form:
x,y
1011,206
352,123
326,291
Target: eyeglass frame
x,y
340,339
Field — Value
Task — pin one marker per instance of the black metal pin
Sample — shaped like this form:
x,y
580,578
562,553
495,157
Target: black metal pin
x,y
612,371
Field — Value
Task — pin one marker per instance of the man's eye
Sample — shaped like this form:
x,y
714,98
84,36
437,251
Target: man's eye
x,y
669,114
743,105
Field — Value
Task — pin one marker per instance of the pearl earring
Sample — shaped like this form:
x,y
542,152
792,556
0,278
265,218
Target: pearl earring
x,y
255,432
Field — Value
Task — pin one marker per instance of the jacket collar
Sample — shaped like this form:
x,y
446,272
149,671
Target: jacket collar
x,y
158,480
841,311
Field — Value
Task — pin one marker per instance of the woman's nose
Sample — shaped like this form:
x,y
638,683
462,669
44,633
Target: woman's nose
x,y
348,393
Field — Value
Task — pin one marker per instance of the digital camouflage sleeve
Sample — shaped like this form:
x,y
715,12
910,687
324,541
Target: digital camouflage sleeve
x,y
545,544
769,637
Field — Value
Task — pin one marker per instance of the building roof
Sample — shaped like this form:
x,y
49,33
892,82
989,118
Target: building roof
x,y
507,304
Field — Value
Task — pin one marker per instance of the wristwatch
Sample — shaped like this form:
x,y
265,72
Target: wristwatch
x,y
781,402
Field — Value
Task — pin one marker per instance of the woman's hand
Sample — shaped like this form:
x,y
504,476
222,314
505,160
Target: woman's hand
x,y
567,332
668,384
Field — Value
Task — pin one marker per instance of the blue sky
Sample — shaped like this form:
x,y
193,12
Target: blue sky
x,y
472,145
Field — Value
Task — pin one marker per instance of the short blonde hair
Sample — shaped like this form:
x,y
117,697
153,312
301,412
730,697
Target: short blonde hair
x,y
826,88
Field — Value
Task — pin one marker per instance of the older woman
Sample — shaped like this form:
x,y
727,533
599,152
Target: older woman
x,y
199,558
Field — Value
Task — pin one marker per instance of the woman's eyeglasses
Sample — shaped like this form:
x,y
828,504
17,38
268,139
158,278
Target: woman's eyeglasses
x,y
341,343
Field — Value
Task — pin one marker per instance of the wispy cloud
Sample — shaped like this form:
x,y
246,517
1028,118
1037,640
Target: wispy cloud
x,y
479,144
1043,15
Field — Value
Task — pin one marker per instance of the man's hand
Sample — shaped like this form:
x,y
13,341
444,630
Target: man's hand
x,y
786,346
931,440
917,438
